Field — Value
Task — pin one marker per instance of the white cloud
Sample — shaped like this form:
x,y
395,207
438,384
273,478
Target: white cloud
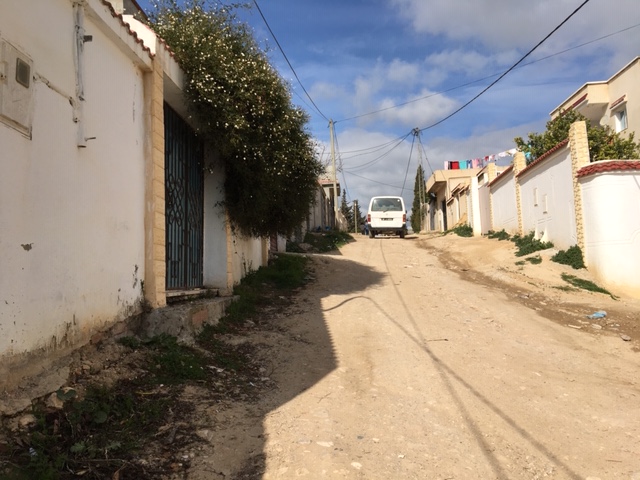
x,y
402,72
419,113
468,61
505,25
326,91
374,171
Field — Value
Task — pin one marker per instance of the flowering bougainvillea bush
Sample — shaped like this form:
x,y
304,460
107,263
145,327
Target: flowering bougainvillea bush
x,y
243,109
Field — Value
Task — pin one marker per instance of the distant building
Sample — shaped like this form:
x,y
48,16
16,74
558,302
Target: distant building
x,y
614,102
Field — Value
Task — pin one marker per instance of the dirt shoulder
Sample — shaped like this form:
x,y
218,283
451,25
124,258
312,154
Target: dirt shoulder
x,y
493,263
217,426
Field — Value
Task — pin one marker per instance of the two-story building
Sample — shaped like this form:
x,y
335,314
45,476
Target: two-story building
x,y
614,102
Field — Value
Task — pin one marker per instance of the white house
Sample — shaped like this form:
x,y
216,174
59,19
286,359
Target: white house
x,y
614,102
104,201
547,197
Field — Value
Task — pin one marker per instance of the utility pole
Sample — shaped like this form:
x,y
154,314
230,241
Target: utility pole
x,y
355,216
335,177
423,210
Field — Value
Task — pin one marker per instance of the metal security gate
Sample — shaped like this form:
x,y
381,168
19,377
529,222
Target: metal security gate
x,y
184,184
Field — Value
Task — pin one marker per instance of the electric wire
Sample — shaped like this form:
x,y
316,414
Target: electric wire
x,y
341,169
406,173
472,82
375,148
374,181
425,155
509,69
380,157
463,85
369,150
255,2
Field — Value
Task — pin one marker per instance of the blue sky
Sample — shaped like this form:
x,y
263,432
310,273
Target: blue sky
x,y
355,57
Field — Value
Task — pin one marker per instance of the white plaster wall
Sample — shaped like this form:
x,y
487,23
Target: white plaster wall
x,y
318,212
505,210
247,255
475,220
281,244
71,219
551,179
611,202
215,228
485,209
628,84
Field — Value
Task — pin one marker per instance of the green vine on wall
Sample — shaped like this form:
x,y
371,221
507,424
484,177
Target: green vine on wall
x,y
243,109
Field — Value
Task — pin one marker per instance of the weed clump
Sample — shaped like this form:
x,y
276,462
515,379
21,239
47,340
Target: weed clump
x,y
501,235
321,242
528,244
104,431
464,230
571,257
537,260
586,285
284,273
95,435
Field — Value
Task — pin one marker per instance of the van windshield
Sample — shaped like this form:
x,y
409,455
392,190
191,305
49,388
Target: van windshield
x,y
386,205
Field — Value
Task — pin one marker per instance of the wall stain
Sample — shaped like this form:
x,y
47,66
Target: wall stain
x,y
27,246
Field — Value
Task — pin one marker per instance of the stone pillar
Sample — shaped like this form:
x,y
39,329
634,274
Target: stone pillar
x,y
230,253
519,164
473,207
579,146
155,228
492,173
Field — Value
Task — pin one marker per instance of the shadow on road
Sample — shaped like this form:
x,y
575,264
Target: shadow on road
x,y
449,376
299,354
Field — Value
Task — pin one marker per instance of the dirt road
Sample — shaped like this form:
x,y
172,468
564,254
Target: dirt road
x,y
405,360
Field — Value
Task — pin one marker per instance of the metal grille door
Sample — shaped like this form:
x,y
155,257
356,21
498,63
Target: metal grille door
x,y
184,184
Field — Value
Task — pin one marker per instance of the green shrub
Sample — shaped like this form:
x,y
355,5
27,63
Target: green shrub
x,y
501,235
322,241
464,230
572,257
532,260
528,244
585,284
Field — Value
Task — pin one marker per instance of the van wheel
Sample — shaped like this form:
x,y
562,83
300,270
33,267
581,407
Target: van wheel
x,y
402,233
371,234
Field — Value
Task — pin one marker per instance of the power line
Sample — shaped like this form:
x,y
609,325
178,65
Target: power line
x,y
406,173
369,150
377,159
425,154
509,70
457,87
346,189
374,181
255,2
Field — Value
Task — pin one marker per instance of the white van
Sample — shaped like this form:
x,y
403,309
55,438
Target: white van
x,y
387,215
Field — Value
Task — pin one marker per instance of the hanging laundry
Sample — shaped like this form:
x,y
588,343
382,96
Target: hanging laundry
x,y
479,162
